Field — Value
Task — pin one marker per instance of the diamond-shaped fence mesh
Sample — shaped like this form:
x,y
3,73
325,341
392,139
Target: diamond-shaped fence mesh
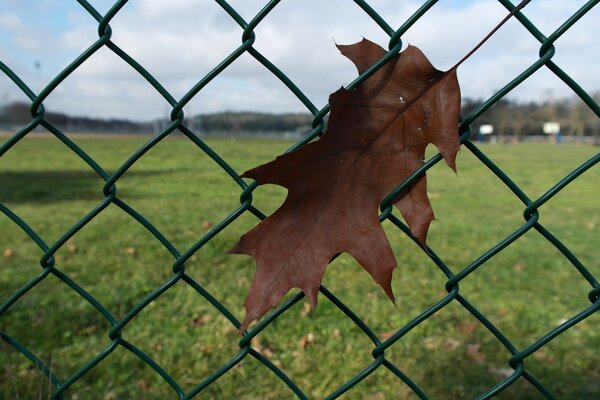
x,y
116,338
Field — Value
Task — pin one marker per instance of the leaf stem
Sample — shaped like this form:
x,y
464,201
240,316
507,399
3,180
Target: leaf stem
x,y
518,8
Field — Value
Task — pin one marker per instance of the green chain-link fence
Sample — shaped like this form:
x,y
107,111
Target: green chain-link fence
x,y
115,338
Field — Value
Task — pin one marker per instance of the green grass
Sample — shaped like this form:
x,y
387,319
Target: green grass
x,y
526,290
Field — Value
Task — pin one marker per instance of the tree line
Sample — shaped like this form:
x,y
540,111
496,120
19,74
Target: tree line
x,y
509,118
253,122
17,114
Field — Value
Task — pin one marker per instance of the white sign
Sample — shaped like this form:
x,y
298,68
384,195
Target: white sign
x,y
486,129
551,128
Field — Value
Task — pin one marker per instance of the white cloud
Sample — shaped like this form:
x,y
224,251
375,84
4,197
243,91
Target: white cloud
x,y
179,42
10,22
30,42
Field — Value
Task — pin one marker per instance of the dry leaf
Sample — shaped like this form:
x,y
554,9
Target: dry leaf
x,y
474,351
256,344
71,248
306,340
143,385
199,321
112,395
451,344
431,342
8,253
467,328
519,266
90,329
503,372
376,138
590,224
306,308
268,352
156,346
387,335
541,355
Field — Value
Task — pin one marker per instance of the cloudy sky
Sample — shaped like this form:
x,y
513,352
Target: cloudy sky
x,y
179,41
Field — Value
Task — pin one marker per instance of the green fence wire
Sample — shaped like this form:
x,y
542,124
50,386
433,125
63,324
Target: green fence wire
x,y
115,339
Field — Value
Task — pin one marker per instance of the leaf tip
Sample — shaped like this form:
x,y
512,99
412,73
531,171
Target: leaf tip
x,y
247,321
390,294
451,161
237,249
386,285
252,314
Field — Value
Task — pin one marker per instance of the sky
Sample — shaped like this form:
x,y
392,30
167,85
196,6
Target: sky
x,y
180,41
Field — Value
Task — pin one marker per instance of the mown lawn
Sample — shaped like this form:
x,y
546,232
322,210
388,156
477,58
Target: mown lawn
x,y
526,290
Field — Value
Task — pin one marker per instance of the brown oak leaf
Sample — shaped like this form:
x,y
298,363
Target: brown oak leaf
x,y
376,138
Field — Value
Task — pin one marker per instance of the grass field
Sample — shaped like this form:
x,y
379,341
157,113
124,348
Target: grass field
x,y
526,290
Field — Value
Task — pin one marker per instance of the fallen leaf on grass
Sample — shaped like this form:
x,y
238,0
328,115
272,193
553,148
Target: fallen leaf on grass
x,y
202,320
143,385
467,328
474,351
112,395
503,372
90,329
440,343
266,350
156,346
543,356
71,248
451,344
519,266
306,340
256,344
306,309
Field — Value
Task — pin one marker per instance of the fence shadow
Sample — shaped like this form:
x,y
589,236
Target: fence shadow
x,y
51,186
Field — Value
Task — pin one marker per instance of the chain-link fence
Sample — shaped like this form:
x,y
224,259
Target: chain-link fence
x,y
116,339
